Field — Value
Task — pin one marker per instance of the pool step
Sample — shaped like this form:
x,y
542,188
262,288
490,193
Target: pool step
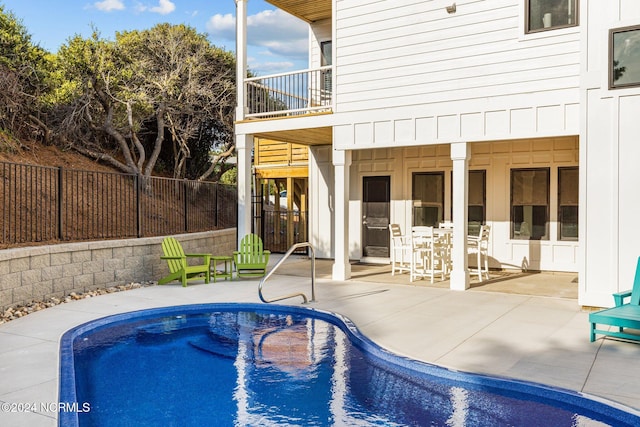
x,y
220,346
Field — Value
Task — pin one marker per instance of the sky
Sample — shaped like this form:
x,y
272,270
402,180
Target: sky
x,y
277,42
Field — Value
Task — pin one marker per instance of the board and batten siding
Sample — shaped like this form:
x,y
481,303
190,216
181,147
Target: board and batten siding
x,y
609,161
497,159
408,73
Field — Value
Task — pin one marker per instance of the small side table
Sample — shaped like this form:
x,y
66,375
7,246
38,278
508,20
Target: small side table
x,y
226,264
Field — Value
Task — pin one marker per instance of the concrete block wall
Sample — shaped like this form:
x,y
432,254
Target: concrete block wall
x,y
40,272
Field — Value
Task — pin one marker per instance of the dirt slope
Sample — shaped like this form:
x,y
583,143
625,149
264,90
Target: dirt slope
x,y
41,155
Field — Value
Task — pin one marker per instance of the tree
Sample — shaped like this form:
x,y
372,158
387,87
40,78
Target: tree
x,y
127,97
25,81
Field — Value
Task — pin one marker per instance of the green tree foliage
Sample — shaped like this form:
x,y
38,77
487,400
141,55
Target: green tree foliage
x,y
158,97
26,80
230,177
165,90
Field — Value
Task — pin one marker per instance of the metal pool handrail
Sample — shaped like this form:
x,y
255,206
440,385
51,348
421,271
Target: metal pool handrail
x,y
279,263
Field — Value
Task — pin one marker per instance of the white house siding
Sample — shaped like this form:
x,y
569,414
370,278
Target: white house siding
x,y
497,158
408,73
610,129
410,78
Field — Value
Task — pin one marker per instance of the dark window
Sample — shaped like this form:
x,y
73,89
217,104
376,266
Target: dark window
x,y
624,57
530,204
568,203
325,51
477,201
428,198
542,15
326,59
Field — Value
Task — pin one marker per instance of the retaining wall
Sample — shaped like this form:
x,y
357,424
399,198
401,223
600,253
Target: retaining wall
x,y
41,272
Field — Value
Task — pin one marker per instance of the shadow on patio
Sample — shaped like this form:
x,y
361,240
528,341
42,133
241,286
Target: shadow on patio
x,y
536,283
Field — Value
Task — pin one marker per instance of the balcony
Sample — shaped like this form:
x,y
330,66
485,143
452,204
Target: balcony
x,y
289,94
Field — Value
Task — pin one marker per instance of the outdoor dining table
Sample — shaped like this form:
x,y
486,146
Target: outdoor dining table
x,y
431,253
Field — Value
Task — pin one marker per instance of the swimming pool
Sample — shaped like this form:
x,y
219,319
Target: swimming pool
x,y
255,364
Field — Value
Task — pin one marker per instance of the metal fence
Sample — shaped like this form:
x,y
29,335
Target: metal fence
x,y
47,204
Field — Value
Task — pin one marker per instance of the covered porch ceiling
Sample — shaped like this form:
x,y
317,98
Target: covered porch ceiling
x,y
309,11
309,136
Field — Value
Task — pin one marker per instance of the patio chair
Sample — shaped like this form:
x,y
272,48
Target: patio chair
x,y
480,245
400,250
179,268
623,315
251,258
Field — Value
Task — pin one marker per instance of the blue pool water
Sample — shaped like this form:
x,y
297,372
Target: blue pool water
x,y
258,365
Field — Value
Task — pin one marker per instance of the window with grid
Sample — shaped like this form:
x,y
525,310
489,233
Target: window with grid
x,y
530,204
543,15
568,203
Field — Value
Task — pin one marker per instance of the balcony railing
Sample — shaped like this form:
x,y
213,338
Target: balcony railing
x,y
289,94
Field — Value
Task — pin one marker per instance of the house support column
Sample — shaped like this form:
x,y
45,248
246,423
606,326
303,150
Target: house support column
x,y
244,143
341,164
241,58
460,155
244,148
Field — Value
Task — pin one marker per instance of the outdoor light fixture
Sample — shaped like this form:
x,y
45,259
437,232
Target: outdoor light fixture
x,y
451,9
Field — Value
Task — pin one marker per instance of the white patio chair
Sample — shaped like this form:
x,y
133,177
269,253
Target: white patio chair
x,y
480,245
400,250
445,239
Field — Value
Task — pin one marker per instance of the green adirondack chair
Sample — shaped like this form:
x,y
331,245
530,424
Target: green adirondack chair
x,y
179,268
251,258
626,314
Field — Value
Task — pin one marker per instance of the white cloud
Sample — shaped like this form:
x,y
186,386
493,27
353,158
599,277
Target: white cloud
x,y
165,7
277,31
222,26
275,25
109,5
264,68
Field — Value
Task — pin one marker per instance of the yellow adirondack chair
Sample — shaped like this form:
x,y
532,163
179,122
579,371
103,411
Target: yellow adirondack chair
x,y
251,258
179,268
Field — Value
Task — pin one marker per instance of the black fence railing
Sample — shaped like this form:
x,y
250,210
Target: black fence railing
x,y
47,204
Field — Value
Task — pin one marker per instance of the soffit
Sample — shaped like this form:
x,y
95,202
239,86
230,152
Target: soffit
x,y
309,136
307,10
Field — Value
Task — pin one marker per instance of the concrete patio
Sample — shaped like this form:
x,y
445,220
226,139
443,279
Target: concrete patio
x,y
518,325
